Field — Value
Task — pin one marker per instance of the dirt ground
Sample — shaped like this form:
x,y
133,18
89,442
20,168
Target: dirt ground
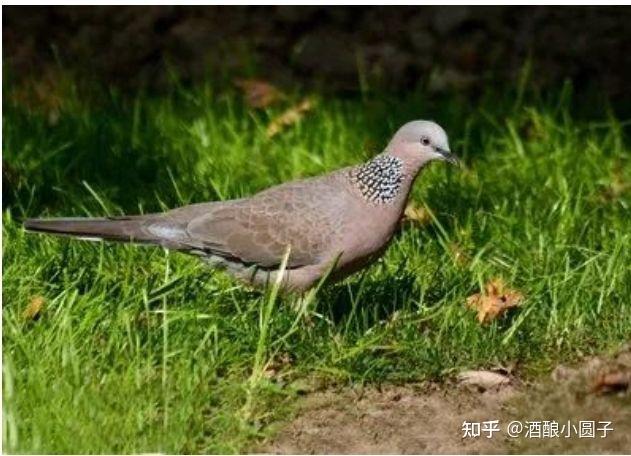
x,y
428,418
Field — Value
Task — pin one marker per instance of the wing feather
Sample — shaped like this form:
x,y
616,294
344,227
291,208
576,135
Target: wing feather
x,y
260,229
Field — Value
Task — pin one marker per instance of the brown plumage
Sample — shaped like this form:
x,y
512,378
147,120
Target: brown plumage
x,y
334,223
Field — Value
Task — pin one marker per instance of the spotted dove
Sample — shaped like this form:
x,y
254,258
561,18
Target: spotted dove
x,y
332,224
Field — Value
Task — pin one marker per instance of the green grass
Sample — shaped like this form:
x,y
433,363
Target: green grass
x,y
139,350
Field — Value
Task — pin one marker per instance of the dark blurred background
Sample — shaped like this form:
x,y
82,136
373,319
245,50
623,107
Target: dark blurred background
x,y
336,49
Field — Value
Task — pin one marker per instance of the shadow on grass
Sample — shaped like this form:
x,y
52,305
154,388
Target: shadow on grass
x,y
373,300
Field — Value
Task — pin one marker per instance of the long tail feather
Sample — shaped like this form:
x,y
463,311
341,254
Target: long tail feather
x,y
123,229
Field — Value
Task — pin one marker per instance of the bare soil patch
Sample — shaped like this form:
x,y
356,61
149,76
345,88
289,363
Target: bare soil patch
x,y
428,418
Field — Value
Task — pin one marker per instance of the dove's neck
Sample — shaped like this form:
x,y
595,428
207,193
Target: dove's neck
x,y
386,179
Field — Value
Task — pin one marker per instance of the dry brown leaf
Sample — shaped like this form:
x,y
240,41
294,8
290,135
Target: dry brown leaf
x,y
616,189
289,117
496,299
258,93
47,93
34,308
417,215
483,379
612,382
277,365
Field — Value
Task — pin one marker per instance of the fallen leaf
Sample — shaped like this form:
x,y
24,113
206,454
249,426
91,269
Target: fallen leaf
x,y
612,382
417,215
617,188
277,365
483,379
494,301
34,308
47,93
289,117
258,93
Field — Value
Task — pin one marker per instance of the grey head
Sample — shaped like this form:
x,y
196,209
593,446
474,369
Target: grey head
x,y
419,142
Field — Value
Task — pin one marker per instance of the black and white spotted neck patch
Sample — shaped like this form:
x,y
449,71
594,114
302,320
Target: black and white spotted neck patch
x,y
379,180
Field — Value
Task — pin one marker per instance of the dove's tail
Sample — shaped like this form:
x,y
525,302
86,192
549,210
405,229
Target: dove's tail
x,y
121,229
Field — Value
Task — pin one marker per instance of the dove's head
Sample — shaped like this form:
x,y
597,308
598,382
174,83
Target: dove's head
x,y
419,142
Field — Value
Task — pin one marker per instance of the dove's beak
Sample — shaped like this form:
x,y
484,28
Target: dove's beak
x,y
448,156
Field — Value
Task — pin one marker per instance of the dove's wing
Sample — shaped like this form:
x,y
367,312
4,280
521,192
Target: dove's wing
x,y
258,230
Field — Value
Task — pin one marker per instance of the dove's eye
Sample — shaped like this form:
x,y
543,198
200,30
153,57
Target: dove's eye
x,y
425,140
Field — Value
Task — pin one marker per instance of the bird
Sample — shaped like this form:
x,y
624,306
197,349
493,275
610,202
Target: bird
x,y
320,228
